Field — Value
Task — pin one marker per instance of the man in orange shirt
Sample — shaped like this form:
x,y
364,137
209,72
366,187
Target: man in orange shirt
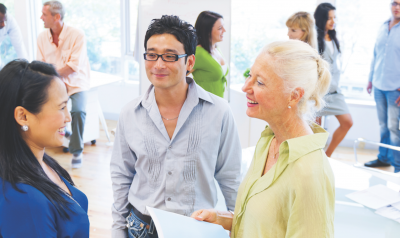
x,y
65,47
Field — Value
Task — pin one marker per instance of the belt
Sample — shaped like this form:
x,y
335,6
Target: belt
x,y
335,92
142,217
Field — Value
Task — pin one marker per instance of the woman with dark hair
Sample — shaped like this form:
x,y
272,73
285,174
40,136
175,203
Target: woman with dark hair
x,y
210,69
37,196
329,48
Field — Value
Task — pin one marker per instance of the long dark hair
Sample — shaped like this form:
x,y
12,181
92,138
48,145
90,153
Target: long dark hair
x,y
204,24
26,84
321,16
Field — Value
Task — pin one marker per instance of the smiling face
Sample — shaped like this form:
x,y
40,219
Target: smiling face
x,y
295,33
396,9
47,128
264,90
331,23
167,74
218,30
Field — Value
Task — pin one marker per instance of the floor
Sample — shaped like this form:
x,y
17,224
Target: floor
x,y
94,177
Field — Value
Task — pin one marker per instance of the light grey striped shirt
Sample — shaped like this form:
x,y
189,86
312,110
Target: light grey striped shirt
x,y
177,175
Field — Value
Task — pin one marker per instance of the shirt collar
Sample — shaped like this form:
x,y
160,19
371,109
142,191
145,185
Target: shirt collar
x,y
62,34
195,92
303,145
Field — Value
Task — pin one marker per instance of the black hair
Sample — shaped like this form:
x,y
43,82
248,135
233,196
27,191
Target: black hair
x,y
204,24
321,16
3,8
26,84
183,31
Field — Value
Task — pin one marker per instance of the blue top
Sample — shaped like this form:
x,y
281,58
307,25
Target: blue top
x,y
385,67
32,215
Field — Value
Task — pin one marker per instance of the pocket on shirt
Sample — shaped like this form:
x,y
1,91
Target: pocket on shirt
x,y
65,56
136,227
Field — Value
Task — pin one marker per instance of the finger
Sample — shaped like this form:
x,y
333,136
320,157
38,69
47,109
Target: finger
x,y
202,216
196,213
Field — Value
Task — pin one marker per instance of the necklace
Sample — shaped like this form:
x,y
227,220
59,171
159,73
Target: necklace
x,y
275,149
62,190
169,119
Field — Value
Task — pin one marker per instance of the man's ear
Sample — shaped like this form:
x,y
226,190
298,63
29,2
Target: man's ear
x,y
190,62
20,115
58,17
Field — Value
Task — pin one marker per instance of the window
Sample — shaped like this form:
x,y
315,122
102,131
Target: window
x,y
256,23
7,52
357,27
101,22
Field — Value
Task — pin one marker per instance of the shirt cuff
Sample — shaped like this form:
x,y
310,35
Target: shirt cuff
x,y
119,233
73,66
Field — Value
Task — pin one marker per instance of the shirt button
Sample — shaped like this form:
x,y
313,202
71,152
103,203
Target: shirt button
x,y
169,172
169,199
169,147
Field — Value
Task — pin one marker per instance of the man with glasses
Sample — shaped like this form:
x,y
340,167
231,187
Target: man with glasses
x,y
385,78
172,141
9,27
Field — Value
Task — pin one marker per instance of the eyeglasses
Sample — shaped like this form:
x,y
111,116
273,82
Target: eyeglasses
x,y
164,57
395,4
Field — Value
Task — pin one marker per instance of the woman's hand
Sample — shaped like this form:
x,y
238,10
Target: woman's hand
x,y
213,216
208,215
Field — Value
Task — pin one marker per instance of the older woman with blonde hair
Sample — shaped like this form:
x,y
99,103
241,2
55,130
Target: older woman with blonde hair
x,y
289,188
301,26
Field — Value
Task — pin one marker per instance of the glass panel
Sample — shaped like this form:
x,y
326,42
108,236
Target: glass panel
x,y
256,23
358,22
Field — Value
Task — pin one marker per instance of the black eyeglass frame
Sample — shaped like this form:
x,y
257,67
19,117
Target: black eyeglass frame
x,y
394,4
177,57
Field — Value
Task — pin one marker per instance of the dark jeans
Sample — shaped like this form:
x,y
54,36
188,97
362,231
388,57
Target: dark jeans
x,y
389,116
140,229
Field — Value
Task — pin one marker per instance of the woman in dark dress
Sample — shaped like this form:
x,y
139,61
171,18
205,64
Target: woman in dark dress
x,y
37,196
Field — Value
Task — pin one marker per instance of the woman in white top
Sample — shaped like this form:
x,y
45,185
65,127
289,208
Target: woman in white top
x,y
329,48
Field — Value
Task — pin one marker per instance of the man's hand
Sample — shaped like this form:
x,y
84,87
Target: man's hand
x,y
398,99
369,87
65,72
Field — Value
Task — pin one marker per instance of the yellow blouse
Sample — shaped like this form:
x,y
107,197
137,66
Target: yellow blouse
x,y
295,198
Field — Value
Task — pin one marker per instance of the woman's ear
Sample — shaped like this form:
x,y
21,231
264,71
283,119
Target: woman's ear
x,y
297,95
20,115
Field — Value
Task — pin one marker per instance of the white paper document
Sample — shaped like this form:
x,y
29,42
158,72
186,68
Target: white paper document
x,y
375,197
389,212
396,205
172,225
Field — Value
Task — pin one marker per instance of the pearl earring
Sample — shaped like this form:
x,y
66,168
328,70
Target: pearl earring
x,y
289,107
24,128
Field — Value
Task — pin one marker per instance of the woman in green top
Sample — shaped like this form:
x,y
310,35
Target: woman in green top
x,y
289,189
210,69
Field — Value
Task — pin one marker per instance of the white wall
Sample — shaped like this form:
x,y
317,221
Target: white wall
x,y
115,96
